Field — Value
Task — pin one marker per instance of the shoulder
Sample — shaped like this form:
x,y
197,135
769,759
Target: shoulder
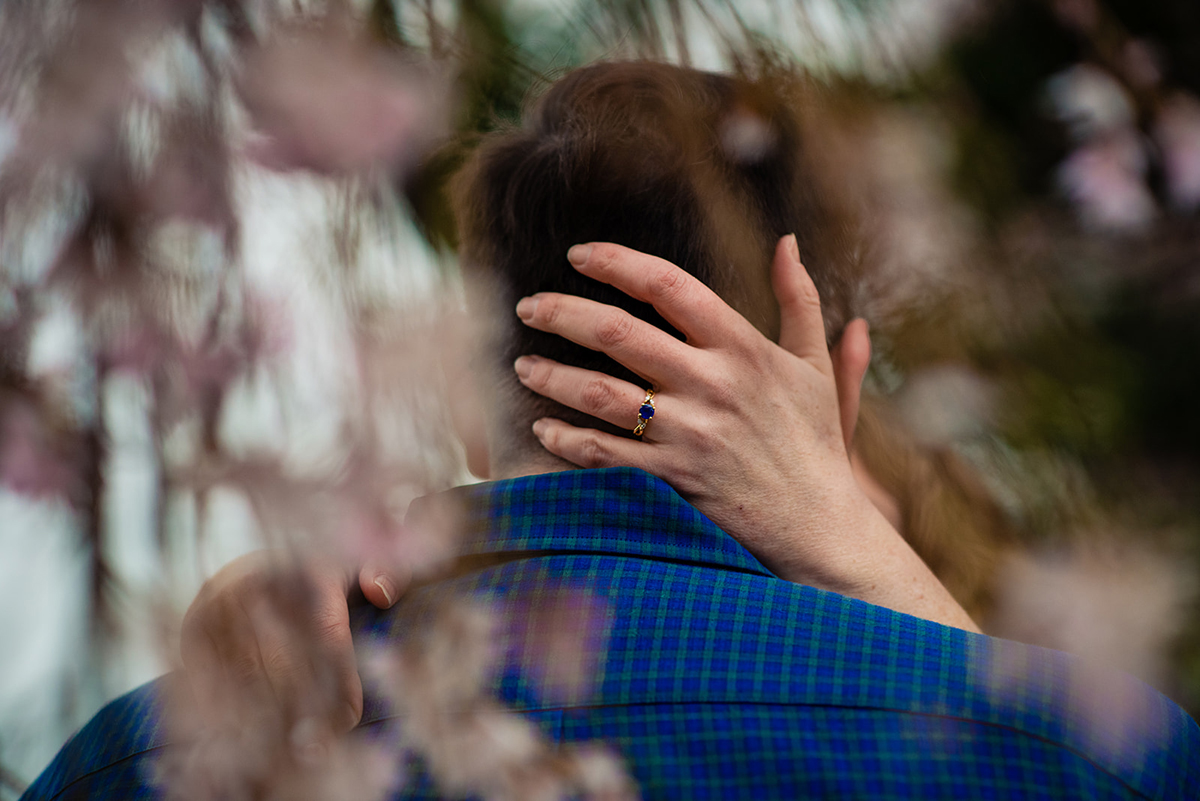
x,y
709,671
112,755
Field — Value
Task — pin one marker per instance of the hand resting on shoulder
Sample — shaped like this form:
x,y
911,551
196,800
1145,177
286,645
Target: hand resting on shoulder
x,y
753,433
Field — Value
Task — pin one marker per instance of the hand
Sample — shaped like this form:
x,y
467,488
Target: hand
x,y
754,434
262,631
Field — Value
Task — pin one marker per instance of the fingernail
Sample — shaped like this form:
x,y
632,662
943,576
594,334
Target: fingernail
x,y
526,307
793,248
524,366
578,254
539,427
388,589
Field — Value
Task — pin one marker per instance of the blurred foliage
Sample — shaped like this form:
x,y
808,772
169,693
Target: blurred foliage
x,y
1108,379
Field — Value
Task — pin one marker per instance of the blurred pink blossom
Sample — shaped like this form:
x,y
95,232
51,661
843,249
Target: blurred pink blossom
x,y
198,372
87,80
946,403
209,370
137,350
35,460
191,377
438,682
350,767
238,739
1090,101
324,101
198,378
600,769
561,633
1177,131
372,534
189,179
746,137
270,324
1116,605
9,137
1104,179
370,530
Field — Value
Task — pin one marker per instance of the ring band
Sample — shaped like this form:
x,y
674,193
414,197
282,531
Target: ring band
x,y
645,413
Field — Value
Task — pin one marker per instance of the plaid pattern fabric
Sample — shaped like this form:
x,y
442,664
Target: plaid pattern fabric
x,y
723,681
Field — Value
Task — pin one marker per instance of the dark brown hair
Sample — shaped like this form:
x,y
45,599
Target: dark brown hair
x,y
706,171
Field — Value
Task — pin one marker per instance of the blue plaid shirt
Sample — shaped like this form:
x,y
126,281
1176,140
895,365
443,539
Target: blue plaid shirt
x,y
722,681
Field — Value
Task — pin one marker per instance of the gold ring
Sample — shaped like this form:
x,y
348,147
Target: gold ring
x,y
645,413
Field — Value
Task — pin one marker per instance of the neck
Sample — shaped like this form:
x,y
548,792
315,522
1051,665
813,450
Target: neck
x,y
534,464
512,449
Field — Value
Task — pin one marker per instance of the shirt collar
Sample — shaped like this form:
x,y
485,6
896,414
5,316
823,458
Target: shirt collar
x,y
616,511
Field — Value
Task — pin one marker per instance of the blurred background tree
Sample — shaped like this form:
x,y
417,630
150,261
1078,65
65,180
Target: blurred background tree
x,y
186,186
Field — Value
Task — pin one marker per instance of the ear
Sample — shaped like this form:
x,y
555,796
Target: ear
x,y
471,427
467,416
851,356
479,460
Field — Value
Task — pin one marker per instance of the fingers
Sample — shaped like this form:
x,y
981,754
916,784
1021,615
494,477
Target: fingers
x,y
802,329
602,396
683,300
383,586
851,356
307,653
287,661
640,346
591,449
257,637
221,655
207,673
331,628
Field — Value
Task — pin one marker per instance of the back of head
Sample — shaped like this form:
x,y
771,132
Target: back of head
x,y
706,171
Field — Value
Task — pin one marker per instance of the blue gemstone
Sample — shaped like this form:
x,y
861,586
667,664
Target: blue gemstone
x,y
646,412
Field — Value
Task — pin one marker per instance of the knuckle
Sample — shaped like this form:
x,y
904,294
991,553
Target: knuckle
x,y
330,627
596,396
244,668
756,357
724,392
551,439
279,661
548,310
807,294
541,374
687,477
709,436
602,257
667,284
613,329
594,453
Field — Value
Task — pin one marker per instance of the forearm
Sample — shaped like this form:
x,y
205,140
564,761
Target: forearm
x,y
862,556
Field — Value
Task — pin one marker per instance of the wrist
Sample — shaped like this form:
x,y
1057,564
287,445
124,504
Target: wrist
x,y
856,552
836,549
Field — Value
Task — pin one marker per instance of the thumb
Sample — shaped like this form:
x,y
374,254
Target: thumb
x,y
383,586
851,356
801,327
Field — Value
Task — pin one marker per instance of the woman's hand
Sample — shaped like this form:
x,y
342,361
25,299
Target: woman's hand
x,y
265,631
754,434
